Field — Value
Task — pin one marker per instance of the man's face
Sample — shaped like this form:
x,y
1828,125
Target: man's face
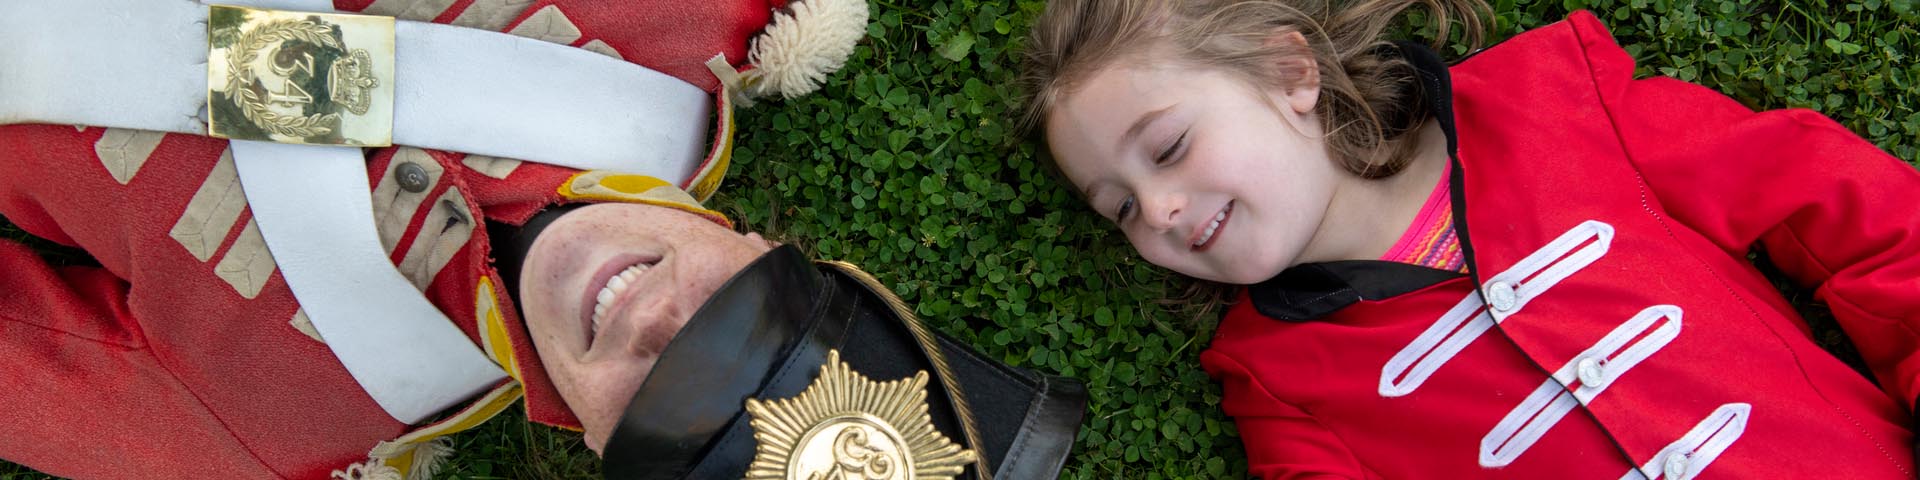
x,y
607,286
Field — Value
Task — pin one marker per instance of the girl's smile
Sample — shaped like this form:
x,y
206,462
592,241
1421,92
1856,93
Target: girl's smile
x,y
1213,229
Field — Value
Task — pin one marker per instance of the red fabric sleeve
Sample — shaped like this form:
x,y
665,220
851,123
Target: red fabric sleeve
x,y
1283,442
84,301
84,395
1833,211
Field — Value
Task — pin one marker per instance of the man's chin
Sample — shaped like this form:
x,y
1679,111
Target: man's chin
x,y
596,443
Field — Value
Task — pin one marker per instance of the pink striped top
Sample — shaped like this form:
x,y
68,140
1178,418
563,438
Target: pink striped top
x,y
1429,241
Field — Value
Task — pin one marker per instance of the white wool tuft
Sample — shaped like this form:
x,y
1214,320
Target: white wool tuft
x,y
373,469
798,50
428,457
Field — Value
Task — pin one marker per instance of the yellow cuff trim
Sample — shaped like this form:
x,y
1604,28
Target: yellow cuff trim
x,y
708,181
493,328
479,412
632,184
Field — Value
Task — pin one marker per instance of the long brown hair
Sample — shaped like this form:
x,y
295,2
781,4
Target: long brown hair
x,y
1366,90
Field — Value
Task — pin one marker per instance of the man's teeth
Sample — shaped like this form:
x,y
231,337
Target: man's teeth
x,y
615,285
1212,227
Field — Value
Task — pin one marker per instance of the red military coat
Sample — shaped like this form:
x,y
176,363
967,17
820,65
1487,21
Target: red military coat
x,y
1611,326
184,355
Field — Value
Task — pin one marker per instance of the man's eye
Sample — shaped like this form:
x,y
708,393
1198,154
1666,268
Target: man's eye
x,y
1126,207
1168,155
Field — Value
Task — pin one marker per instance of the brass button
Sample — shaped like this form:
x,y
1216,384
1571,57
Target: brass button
x,y
412,177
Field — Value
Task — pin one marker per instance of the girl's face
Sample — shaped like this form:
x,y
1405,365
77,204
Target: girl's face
x,y
1207,175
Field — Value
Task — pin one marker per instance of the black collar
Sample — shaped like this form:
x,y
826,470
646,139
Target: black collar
x,y
1315,290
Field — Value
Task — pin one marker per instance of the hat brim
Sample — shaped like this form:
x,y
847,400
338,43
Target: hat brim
x,y
766,333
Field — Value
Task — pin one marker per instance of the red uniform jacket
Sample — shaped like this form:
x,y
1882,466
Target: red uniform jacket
x,y
1611,326
184,355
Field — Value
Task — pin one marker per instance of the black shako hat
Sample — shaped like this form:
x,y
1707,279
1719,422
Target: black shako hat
x,y
793,369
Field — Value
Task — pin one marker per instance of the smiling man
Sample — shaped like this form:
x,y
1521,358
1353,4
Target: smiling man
x,y
689,351
605,288
295,299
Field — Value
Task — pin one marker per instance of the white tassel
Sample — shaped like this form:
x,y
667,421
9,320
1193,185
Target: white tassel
x,y
372,469
428,458
797,51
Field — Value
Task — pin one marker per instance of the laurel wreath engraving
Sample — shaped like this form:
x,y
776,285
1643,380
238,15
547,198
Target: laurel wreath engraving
x,y
238,76
884,431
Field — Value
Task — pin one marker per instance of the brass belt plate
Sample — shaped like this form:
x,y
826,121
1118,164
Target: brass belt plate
x,y
299,77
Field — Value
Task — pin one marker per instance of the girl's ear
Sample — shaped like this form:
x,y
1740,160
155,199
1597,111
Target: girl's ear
x,y
1297,65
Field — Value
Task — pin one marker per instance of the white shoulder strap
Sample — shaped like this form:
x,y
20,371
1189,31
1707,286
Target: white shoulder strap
x,y
459,89
405,353
473,91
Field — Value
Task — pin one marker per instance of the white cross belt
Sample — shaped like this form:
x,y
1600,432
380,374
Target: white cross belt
x,y
142,64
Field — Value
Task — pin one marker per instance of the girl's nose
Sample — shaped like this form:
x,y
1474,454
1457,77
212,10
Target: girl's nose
x,y
1160,211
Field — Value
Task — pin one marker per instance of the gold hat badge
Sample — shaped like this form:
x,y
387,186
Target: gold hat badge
x,y
845,426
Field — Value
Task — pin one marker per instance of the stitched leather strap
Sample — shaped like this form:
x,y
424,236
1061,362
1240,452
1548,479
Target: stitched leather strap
x,y
1041,434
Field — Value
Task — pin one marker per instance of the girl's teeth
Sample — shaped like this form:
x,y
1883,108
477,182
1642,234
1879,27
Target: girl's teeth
x,y
1207,236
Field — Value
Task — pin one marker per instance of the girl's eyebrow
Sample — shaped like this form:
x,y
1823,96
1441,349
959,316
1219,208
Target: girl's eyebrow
x,y
1141,124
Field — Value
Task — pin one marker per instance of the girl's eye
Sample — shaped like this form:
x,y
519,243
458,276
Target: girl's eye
x,y
1126,208
1168,155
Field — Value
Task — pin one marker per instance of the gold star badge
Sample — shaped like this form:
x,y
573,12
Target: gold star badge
x,y
845,426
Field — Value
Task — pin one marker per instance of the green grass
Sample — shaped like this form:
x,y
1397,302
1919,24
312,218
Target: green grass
x,y
907,162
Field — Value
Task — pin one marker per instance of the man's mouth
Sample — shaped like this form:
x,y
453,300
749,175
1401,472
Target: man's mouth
x,y
614,279
1213,228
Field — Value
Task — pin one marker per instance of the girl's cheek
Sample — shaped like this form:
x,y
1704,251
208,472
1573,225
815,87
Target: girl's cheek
x,y
1154,254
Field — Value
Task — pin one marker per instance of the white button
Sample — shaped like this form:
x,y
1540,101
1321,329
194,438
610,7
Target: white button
x,y
1675,468
1593,372
1501,297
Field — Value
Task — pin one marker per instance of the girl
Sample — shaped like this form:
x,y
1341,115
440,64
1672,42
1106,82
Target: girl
x,y
1525,265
